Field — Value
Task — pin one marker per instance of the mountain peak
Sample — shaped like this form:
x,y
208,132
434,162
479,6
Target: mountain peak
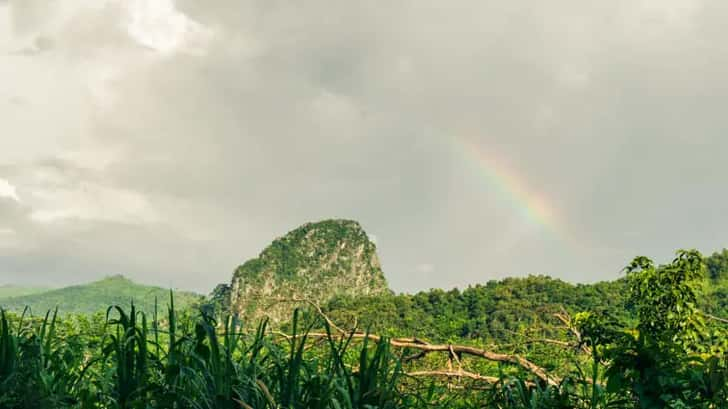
x,y
115,277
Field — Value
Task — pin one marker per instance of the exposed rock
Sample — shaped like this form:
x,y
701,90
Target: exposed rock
x,y
315,262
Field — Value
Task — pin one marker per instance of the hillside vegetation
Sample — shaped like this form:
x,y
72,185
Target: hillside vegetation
x,y
333,264
509,310
311,324
95,297
655,348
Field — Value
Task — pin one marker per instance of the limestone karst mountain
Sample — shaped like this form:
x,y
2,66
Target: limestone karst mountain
x,y
313,262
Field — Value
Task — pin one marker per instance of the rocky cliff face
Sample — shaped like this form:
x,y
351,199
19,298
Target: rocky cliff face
x,y
314,262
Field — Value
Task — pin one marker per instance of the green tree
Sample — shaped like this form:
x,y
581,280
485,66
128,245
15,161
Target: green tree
x,y
662,362
717,265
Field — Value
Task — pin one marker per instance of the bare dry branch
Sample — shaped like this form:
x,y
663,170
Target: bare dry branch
x,y
424,347
449,348
713,317
455,374
461,374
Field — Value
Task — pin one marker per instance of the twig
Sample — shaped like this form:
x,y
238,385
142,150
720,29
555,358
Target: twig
x,y
713,317
460,374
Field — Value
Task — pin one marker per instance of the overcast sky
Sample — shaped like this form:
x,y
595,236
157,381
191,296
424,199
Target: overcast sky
x,y
172,140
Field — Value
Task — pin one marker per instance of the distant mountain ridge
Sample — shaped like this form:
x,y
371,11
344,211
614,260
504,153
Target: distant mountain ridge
x,y
96,296
12,290
314,262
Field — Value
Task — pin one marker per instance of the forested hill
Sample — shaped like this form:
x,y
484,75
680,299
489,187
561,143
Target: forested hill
x,y
490,312
96,296
498,310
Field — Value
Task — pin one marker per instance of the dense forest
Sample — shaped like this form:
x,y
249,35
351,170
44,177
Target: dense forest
x,y
656,338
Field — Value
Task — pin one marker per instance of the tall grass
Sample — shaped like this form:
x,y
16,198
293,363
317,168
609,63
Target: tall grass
x,y
200,362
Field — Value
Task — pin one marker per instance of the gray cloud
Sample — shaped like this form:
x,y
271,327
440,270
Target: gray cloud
x,y
163,160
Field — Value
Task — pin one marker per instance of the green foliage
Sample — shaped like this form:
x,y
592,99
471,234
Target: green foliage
x,y
218,302
639,342
497,312
663,361
665,299
202,365
717,265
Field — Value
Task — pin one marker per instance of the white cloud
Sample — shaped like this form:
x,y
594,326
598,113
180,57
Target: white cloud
x,y
247,118
157,24
8,190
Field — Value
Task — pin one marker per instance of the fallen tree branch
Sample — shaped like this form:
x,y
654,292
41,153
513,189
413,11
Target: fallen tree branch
x,y
565,318
455,374
450,349
424,347
491,380
713,317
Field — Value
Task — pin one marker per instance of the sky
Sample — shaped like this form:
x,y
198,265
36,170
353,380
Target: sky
x,y
170,141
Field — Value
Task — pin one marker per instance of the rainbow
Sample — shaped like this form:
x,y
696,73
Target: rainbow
x,y
532,205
